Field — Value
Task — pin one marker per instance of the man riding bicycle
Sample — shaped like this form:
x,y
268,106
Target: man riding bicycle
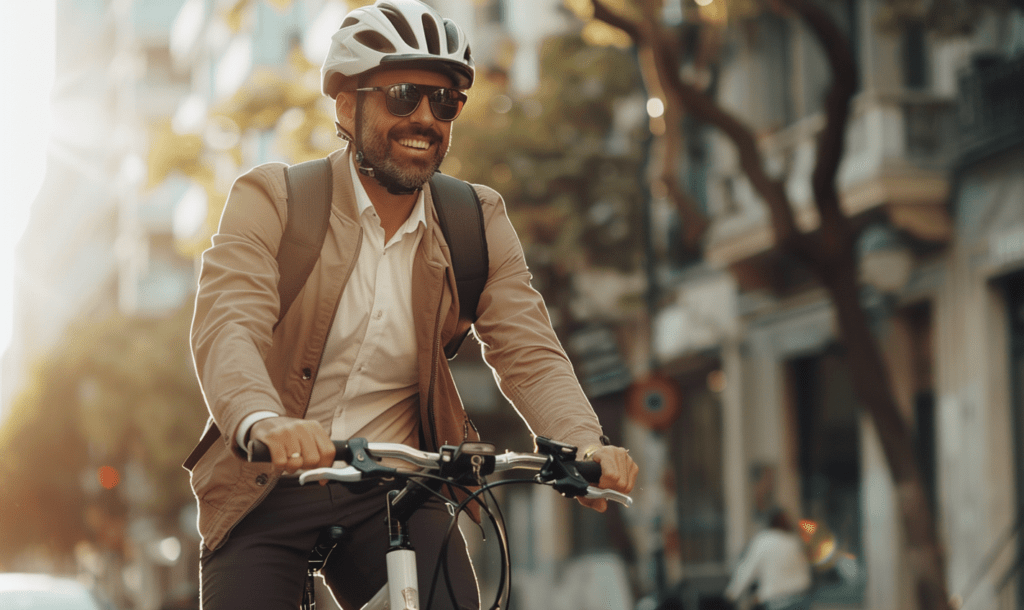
x,y
360,351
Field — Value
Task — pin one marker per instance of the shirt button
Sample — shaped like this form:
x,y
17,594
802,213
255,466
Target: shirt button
x,y
379,314
261,480
307,374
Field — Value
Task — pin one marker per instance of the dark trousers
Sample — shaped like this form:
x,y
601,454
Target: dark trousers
x,y
263,562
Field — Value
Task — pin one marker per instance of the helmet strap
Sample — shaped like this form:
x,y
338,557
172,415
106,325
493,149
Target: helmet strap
x,y
365,167
341,132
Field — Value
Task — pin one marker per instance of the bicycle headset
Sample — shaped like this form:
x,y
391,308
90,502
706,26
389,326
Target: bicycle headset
x,y
392,34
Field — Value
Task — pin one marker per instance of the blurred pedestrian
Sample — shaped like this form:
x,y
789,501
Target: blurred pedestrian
x,y
776,561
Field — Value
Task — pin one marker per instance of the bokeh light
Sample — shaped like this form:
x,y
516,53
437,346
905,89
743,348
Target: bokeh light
x,y
823,551
655,107
717,381
807,529
170,549
109,477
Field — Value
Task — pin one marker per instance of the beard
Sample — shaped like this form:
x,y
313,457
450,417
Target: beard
x,y
411,174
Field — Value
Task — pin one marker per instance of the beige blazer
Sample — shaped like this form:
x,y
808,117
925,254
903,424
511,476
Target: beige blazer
x,y
245,364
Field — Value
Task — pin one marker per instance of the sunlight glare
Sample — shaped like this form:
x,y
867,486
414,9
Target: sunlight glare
x,y
26,121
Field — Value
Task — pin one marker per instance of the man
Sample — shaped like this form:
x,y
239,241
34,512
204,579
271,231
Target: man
x,y
777,562
360,351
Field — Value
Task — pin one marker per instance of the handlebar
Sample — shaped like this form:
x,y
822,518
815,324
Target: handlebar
x,y
554,465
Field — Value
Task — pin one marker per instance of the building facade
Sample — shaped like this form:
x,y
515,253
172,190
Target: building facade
x,y
936,187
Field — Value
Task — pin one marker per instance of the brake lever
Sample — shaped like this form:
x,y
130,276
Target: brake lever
x,y
363,467
564,477
364,462
348,474
610,495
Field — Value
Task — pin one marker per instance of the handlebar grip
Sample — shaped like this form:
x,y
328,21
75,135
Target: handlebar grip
x,y
259,452
591,471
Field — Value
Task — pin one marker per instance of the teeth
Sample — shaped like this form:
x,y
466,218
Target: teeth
x,y
420,144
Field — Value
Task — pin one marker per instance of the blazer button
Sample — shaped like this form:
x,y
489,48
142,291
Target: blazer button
x,y
307,374
261,480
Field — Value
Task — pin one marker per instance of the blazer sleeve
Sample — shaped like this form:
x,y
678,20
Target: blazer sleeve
x,y
519,344
237,302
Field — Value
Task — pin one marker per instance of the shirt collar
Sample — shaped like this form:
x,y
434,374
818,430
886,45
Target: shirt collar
x,y
417,217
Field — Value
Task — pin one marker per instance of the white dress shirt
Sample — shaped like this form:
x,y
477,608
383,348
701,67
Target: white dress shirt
x,y
367,383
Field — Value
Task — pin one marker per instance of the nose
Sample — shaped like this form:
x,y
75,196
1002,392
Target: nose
x,y
423,114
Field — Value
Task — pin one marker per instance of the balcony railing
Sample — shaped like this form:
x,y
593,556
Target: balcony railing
x,y
991,109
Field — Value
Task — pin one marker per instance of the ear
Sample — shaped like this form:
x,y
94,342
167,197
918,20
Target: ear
x,y
345,109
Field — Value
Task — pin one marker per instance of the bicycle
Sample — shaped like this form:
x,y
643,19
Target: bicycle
x,y
462,467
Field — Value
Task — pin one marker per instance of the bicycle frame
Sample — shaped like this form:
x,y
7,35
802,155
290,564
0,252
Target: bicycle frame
x,y
466,464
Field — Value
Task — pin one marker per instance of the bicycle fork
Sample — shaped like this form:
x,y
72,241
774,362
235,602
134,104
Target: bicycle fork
x,y
328,539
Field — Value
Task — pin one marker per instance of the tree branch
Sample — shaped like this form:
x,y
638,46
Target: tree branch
x,y
832,139
704,108
605,14
695,223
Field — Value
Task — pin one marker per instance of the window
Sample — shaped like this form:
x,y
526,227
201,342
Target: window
x,y
915,58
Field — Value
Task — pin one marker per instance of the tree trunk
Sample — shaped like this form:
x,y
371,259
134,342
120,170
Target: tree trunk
x,y
873,386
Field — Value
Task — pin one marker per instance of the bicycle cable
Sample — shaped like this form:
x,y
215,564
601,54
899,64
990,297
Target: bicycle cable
x,y
504,583
442,556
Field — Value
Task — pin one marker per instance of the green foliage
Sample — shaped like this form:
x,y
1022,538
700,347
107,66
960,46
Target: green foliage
x,y
549,155
120,391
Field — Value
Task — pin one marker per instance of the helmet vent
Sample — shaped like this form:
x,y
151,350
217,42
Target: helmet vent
x,y
349,22
375,41
452,34
401,25
430,30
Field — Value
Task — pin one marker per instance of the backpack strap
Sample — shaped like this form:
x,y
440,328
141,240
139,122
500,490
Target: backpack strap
x,y
462,223
310,186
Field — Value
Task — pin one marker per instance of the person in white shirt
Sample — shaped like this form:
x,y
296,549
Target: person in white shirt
x,y
776,561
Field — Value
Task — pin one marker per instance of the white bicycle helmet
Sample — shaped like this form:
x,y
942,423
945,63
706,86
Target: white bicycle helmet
x,y
396,34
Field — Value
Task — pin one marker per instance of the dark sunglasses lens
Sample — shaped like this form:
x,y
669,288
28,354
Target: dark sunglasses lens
x,y
446,104
402,99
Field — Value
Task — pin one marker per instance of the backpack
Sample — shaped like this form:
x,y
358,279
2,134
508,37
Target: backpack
x,y
310,187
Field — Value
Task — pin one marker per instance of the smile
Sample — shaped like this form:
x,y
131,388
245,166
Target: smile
x,y
417,144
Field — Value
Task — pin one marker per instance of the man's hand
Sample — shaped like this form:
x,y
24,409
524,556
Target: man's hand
x,y
294,444
618,473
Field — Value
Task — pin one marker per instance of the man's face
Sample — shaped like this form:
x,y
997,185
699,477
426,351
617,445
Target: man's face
x,y
409,149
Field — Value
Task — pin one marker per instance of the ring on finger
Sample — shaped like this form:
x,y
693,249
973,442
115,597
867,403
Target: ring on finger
x,y
296,455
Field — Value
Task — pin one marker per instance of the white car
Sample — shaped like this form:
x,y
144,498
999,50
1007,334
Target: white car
x,y
44,592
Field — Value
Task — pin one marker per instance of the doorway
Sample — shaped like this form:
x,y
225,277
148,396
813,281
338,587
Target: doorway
x,y
826,418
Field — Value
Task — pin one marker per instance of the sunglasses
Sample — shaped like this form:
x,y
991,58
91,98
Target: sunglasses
x,y
402,99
